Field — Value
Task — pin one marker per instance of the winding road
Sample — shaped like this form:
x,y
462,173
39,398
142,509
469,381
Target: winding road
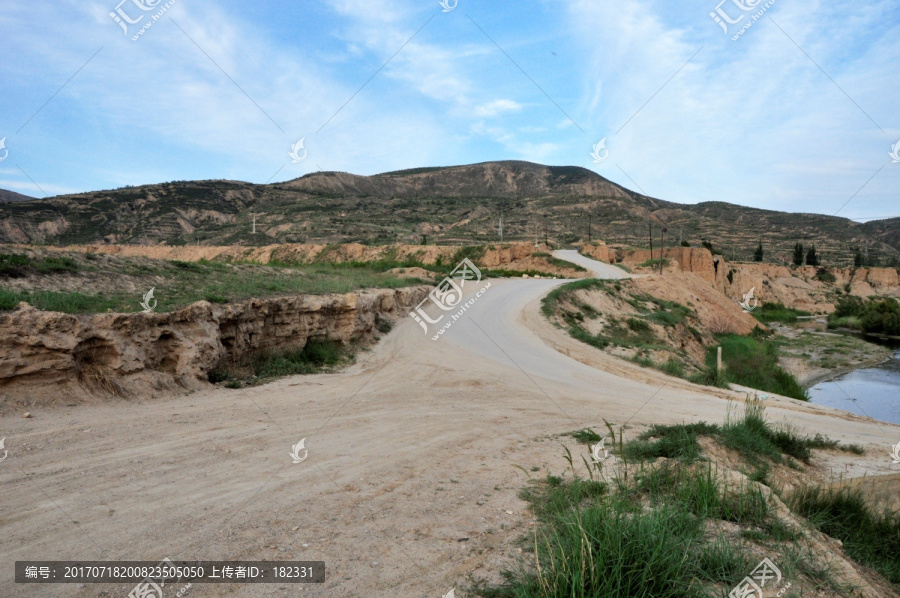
x,y
416,456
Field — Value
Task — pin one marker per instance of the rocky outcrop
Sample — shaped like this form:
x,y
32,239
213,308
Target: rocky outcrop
x,y
49,355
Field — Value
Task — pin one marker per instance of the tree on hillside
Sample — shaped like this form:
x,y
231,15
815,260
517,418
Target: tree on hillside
x,y
811,258
758,254
798,254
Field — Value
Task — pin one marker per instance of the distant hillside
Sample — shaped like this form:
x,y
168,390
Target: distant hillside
x,y
11,196
458,204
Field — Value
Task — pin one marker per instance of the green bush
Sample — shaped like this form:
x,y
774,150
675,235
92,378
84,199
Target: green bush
x,y
14,265
882,316
637,325
875,315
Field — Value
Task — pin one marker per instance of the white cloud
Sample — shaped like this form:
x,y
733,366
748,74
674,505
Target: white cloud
x,y
496,107
754,121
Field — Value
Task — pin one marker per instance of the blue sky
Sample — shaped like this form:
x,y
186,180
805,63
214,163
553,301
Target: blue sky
x,y
799,113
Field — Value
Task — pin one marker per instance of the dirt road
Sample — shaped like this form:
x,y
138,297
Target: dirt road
x,y
411,480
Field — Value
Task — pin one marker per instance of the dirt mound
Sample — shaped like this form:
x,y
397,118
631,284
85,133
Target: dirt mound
x,y
665,321
714,310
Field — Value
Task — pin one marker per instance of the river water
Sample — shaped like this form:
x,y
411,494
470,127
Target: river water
x,y
872,392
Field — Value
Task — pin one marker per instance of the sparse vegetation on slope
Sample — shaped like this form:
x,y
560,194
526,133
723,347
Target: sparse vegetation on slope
x,y
667,336
669,524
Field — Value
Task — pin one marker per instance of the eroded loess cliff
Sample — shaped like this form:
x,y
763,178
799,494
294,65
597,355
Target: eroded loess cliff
x,y
49,356
806,288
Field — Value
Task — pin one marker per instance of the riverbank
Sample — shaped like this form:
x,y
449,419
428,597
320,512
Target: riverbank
x,y
814,355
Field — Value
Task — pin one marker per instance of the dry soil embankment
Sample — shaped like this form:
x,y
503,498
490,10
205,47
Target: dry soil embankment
x,y
47,356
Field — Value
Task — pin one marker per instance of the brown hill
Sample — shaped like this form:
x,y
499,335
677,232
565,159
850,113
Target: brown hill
x,y
11,196
449,205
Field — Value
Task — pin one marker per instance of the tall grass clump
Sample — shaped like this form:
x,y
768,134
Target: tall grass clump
x,y
869,537
592,544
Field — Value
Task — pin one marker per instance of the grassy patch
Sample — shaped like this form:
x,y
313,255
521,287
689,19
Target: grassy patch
x,y
750,435
14,265
676,529
777,312
586,436
178,284
670,442
66,302
751,362
315,357
594,544
870,538
654,263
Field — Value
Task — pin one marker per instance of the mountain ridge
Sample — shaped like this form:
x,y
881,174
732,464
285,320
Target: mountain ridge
x,y
448,204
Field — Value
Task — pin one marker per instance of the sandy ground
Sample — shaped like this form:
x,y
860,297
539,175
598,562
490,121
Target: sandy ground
x,y
411,480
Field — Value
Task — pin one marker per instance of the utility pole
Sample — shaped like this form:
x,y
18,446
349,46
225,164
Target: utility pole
x,y
650,227
501,224
662,251
590,225
680,236
254,223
